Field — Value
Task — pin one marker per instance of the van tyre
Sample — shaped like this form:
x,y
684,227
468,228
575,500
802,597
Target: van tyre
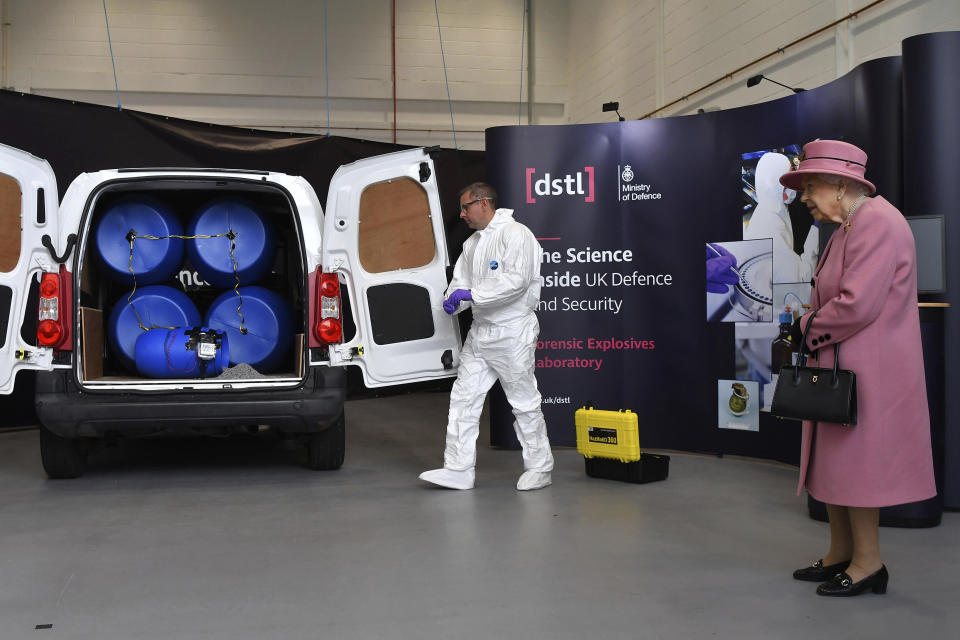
x,y
62,457
325,450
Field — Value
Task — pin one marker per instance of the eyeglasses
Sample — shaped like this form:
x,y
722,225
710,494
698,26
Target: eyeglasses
x,y
466,205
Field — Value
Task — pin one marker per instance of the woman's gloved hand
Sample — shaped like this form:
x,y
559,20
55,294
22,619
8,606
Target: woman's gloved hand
x,y
719,272
450,304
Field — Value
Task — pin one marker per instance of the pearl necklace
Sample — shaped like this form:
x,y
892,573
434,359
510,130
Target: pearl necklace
x,y
853,207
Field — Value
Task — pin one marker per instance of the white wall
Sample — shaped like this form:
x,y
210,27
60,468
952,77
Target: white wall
x,y
648,53
261,64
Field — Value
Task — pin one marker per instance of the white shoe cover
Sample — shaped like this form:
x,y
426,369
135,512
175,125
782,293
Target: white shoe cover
x,y
534,480
449,478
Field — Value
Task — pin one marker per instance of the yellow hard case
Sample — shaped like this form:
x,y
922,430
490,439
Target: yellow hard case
x,y
608,434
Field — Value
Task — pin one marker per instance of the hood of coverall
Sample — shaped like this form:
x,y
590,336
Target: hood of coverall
x,y
767,180
500,218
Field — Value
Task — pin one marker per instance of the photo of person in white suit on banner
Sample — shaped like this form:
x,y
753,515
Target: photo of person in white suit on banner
x,y
771,219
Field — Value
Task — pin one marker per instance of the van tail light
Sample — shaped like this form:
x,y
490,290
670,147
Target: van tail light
x,y
48,333
329,322
53,311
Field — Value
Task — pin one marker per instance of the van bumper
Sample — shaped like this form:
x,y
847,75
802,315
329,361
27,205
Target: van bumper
x,y
65,410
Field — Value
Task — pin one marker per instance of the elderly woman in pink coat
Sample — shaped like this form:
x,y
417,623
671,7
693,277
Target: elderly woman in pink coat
x,y
865,288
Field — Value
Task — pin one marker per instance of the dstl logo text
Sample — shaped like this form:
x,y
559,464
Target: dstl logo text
x,y
571,184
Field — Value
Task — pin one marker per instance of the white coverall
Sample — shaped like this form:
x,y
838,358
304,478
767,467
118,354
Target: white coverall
x,y
771,219
500,265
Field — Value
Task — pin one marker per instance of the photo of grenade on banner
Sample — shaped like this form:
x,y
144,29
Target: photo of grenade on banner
x,y
737,406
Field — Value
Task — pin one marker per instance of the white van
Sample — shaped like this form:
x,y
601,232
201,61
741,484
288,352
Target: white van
x,y
381,240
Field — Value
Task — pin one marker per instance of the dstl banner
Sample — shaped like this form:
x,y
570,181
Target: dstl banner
x,y
621,310
623,211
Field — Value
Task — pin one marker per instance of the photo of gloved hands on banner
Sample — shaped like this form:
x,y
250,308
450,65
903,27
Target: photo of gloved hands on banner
x,y
773,211
739,282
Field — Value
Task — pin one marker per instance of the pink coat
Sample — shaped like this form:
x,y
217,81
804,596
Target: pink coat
x,y
866,291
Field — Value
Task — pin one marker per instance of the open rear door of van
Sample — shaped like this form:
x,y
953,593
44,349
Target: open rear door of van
x,y
28,214
383,234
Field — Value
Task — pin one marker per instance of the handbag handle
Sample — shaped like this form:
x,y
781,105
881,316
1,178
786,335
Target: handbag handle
x,y
804,352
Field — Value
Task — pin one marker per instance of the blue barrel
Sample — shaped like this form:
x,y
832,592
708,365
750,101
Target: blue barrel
x,y
176,353
153,260
268,321
254,243
158,306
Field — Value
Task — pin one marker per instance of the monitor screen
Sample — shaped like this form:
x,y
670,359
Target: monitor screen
x,y
928,233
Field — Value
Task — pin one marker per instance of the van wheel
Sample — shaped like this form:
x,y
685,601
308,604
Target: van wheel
x,y
62,457
325,449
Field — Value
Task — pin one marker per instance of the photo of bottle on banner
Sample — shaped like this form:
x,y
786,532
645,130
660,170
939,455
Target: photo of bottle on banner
x,y
760,349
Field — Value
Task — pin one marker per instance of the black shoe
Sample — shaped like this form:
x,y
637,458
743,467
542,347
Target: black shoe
x,y
842,585
819,573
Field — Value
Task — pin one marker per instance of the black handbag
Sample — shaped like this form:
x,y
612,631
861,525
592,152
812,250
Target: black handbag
x,y
816,393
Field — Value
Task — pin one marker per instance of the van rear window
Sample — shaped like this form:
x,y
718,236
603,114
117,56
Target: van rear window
x,y
395,227
6,295
400,312
10,207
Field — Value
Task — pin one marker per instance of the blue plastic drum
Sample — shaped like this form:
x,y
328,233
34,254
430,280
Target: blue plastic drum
x,y
254,244
158,306
177,353
268,321
153,260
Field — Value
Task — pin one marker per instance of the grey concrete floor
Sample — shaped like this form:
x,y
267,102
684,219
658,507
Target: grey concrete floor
x,y
232,539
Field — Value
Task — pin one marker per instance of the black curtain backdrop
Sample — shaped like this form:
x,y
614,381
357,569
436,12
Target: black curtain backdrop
x,y
694,162
77,137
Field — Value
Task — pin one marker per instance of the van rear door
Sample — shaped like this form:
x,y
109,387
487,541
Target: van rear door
x,y
28,214
383,234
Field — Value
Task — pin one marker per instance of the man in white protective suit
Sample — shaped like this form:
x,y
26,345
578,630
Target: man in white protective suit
x,y
498,276
771,219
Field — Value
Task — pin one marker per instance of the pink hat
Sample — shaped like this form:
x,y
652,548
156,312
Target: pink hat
x,y
829,156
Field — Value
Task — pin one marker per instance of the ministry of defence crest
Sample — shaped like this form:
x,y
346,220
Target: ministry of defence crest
x,y
627,174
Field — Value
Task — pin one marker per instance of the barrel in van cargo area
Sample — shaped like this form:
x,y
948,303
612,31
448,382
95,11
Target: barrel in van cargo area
x,y
151,307
136,241
230,242
258,323
183,352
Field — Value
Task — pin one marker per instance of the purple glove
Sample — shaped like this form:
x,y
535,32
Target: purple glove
x,y
450,304
719,271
